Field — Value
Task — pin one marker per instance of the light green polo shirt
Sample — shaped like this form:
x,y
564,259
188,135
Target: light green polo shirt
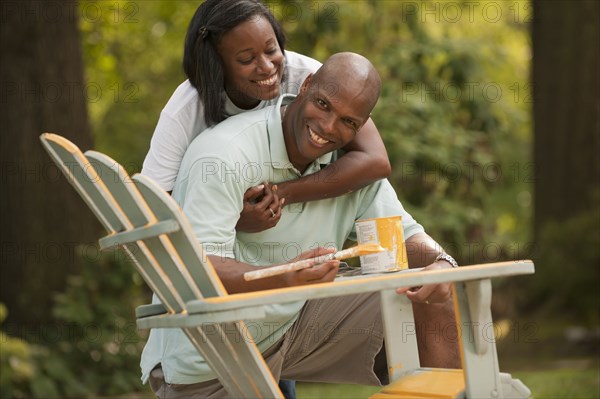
x,y
217,169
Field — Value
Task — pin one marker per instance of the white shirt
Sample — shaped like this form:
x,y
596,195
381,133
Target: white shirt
x,y
182,120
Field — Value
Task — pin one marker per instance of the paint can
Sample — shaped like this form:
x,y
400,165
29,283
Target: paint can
x,y
388,233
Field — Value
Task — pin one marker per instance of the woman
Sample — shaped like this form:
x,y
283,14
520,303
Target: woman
x,y
235,61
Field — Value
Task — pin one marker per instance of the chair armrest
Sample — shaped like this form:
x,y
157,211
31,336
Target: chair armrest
x,y
183,320
151,309
361,284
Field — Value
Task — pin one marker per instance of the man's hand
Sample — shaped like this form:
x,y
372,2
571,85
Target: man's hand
x,y
262,209
319,273
433,293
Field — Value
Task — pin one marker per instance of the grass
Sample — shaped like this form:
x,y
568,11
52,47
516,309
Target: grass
x,y
544,384
563,383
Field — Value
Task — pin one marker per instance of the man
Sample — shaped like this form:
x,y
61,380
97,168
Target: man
x,y
330,340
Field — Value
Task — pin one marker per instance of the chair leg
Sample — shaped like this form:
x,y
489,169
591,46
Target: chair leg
x,y
478,345
400,334
513,388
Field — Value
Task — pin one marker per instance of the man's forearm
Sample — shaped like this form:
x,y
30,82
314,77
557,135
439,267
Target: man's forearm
x,y
231,272
422,250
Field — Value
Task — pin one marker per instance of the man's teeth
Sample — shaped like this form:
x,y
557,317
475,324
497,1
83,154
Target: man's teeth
x,y
316,138
268,82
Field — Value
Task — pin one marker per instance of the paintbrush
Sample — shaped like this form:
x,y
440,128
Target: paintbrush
x,y
359,250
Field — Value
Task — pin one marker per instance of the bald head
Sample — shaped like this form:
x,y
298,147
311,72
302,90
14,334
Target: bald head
x,y
331,108
351,73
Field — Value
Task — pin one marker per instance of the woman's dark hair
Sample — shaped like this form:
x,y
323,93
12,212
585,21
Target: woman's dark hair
x,y
201,62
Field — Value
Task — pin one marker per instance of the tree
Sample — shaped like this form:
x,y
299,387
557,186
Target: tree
x,y
566,39
43,219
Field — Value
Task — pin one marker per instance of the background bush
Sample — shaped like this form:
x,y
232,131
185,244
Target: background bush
x,y
92,349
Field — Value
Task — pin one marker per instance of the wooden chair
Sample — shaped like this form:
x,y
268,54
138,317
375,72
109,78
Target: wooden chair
x,y
149,226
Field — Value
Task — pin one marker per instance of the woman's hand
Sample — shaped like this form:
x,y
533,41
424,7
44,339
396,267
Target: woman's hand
x,y
262,209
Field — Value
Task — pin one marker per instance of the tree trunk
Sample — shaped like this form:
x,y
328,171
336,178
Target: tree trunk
x,y
43,219
566,108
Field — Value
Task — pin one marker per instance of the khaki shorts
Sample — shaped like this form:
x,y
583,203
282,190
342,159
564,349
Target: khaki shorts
x,y
337,340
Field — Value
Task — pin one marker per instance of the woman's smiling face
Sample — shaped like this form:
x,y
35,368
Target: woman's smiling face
x,y
252,62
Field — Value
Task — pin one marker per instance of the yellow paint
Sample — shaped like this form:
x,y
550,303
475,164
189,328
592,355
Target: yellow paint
x,y
426,384
61,141
362,249
393,367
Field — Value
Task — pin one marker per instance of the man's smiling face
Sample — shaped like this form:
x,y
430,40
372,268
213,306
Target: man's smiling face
x,y
328,113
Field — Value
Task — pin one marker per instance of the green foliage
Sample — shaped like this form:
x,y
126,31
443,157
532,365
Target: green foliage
x,y
23,367
93,348
567,273
99,305
133,53
16,366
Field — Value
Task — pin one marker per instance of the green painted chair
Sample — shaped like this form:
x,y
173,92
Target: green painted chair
x,y
149,226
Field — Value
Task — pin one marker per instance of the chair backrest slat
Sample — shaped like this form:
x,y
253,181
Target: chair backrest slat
x,y
84,178
184,242
118,183
159,282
